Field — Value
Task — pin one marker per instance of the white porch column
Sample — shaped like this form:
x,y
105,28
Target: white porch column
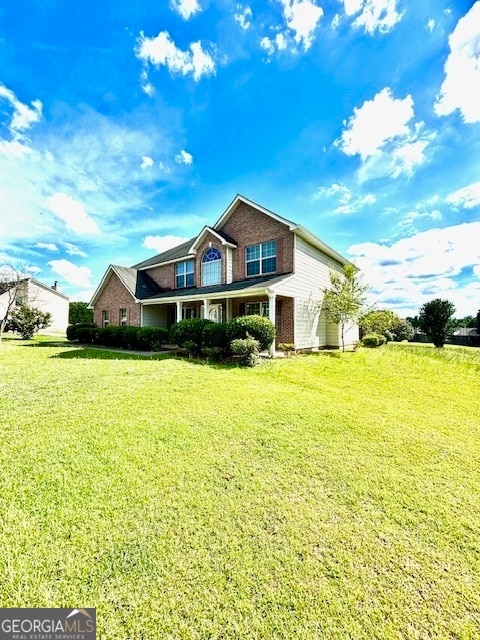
x,y
272,298
179,310
206,309
228,309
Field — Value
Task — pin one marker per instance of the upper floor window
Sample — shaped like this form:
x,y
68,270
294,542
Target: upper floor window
x,y
211,267
261,258
184,274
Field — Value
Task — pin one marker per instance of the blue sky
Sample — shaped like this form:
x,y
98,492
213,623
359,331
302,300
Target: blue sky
x,y
125,127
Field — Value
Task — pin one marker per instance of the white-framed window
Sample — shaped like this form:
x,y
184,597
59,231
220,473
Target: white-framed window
x,y
261,258
188,312
211,267
185,274
123,317
105,318
257,309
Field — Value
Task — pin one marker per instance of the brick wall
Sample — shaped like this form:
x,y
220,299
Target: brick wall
x,y
249,226
113,298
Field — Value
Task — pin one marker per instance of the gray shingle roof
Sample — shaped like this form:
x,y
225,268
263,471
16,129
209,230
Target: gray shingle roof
x,y
180,251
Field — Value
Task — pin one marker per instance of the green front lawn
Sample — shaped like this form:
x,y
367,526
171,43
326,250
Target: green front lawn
x,y
323,496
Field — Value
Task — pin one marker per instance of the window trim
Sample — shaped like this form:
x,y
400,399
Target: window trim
x,y
261,258
218,266
122,320
105,317
264,308
186,272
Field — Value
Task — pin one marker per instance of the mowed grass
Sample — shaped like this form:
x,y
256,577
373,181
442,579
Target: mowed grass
x,y
323,496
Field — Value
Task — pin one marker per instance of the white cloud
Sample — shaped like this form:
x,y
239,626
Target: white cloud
x,y
72,213
408,272
243,17
268,45
373,15
48,246
186,8
162,243
146,162
184,157
302,17
431,25
73,250
460,89
23,116
467,197
376,122
78,276
348,203
162,51
381,133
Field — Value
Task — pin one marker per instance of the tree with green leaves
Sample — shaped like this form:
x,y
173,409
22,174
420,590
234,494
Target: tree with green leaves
x,y
78,312
28,320
344,302
377,321
436,320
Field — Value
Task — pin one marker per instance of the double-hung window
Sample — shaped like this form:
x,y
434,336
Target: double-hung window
x,y
211,267
261,258
257,309
185,274
105,318
123,317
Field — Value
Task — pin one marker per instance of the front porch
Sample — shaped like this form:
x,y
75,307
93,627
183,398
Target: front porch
x,y
278,309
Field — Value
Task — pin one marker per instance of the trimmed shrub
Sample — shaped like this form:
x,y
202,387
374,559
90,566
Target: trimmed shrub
x,y
110,336
373,340
73,328
192,330
149,338
256,327
217,339
86,335
246,350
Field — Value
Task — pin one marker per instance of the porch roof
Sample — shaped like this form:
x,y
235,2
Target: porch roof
x,y
233,289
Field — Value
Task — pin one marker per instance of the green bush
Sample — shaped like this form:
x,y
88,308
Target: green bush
x,y
192,330
256,327
373,340
246,350
149,338
86,335
217,339
73,328
110,336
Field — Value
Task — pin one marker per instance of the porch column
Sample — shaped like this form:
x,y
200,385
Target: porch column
x,y
228,309
206,309
179,310
272,299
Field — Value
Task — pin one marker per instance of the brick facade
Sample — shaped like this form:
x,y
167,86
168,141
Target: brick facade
x,y
113,298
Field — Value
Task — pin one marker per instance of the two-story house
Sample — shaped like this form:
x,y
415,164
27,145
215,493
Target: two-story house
x,y
251,261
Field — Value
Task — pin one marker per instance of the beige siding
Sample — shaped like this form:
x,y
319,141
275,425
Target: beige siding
x,y
306,285
154,315
45,299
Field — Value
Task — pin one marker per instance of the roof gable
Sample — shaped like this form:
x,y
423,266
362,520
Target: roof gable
x,y
241,199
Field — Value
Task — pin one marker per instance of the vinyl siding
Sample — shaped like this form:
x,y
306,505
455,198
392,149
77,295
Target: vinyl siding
x,y
154,315
311,276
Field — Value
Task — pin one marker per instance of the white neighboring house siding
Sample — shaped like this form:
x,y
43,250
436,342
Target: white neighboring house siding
x,y
306,286
43,298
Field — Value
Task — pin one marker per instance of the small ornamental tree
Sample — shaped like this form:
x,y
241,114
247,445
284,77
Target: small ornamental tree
x,y
344,301
28,320
435,319
377,321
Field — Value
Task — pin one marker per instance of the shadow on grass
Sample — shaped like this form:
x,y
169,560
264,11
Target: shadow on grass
x,y
86,353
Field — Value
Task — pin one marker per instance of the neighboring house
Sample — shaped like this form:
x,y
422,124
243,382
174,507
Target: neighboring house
x,y
251,261
35,294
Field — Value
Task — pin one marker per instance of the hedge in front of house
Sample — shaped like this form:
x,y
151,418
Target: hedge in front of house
x,y
373,340
127,337
191,334
257,327
73,328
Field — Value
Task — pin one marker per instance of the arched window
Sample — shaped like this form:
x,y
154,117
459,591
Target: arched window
x,y
211,267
